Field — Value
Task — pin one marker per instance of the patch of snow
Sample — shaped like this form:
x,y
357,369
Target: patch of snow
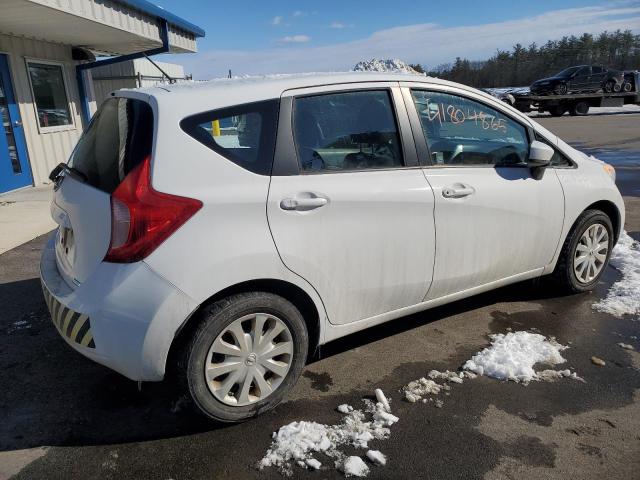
x,y
344,408
390,65
455,377
377,457
313,463
513,356
297,442
421,388
354,467
626,346
623,297
382,399
553,375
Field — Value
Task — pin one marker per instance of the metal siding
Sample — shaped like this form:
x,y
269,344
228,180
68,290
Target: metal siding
x,y
111,14
48,149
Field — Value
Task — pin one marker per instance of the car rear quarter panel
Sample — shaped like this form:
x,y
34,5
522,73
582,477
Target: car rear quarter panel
x,y
228,240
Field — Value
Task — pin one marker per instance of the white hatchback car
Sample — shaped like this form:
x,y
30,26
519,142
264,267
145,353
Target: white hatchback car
x,y
224,231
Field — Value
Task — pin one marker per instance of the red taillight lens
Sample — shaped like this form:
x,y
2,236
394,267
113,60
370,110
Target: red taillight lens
x,y
142,218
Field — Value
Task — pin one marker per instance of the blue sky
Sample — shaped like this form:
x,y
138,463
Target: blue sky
x,y
284,36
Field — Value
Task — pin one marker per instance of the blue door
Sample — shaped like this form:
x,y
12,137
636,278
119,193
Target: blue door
x,y
14,164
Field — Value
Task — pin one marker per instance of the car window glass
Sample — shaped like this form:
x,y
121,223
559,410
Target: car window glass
x,y
598,69
460,131
584,71
346,131
244,134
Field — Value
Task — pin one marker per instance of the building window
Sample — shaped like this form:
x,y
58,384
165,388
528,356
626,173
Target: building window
x,y
49,95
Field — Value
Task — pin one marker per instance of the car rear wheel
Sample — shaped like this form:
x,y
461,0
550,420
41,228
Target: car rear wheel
x,y
579,108
557,110
245,355
585,252
608,87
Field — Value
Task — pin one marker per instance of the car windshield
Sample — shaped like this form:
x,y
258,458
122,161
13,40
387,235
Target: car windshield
x,y
567,72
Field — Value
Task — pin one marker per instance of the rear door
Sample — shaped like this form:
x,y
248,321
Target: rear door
x,y
118,138
597,77
349,207
581,81
494,220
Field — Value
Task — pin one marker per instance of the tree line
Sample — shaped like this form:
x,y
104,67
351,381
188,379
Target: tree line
x,y
619,50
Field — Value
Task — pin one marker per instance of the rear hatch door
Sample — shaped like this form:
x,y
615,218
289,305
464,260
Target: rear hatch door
x,y
119,137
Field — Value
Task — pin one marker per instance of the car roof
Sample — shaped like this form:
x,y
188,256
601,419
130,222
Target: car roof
x,y
272,86
188,97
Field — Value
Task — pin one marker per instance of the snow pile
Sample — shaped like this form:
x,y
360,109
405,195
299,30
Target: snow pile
x,y
421,389
354,467
391,66
513,356
623,298
376,456
297,442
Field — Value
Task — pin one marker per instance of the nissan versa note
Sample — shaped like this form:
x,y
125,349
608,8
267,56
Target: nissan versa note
x,y
220,232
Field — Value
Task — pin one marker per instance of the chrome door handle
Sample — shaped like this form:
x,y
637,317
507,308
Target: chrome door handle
x,y
303,204
458,191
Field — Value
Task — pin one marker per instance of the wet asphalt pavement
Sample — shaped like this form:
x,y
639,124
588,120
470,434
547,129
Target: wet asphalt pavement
x,y
61,416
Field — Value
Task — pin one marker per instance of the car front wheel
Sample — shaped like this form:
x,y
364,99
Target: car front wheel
x,y
245,355
585,252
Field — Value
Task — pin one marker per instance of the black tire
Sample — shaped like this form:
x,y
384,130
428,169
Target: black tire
x,y
564,273
213,320
608,87
617,87
561,89
579,108
626,87
557,110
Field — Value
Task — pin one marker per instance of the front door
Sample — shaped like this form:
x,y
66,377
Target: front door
x,y
354,216
493,219
14,165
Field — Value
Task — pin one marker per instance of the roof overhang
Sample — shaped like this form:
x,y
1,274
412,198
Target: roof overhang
x,y
107,27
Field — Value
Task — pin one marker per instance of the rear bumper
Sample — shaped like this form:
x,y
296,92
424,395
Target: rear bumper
x,y
124,316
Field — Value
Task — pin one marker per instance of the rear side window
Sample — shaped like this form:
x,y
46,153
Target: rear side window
x,y
346,131
245,134
119,137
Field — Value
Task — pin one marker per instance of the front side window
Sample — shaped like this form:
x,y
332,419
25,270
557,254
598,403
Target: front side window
x,y
346,131
49,94
245,134
460,131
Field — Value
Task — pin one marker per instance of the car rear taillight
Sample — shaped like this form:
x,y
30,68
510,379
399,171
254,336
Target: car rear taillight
x,y
142,218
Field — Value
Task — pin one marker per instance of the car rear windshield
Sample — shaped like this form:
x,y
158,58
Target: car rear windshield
x,y
119,137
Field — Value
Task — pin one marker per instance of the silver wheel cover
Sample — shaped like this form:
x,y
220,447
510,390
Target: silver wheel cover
x,y
249,359
591,253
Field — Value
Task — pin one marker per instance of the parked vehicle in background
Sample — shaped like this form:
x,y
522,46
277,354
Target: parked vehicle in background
x,y
579,79
575,103
223,231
